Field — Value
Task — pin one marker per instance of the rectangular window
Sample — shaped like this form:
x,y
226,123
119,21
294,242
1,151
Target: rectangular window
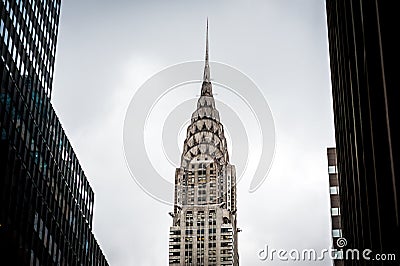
x,y
40,229
1,27
332,169
45,236
35,222
334,190
50,244
337,232
55,252
338,255
32,258
225,230
5,36
335,211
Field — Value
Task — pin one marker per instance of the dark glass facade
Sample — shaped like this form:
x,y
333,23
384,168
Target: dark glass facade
x,y
364,57
46,202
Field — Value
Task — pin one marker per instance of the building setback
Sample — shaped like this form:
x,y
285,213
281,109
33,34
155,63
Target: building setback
x,y
46,202
204,230
364,58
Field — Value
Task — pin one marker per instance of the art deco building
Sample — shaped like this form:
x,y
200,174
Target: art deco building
x,y
46,202
204,230
364,59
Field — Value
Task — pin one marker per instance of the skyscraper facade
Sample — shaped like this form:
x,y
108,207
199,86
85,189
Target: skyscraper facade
x,y
204,228
334,193
364,58
46,202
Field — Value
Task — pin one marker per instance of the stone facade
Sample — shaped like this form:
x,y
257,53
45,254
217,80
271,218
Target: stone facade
x,y
204,230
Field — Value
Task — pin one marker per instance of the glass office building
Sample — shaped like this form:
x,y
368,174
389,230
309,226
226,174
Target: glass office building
x,y
364,58
46,202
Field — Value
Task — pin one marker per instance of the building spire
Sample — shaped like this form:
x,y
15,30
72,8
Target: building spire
x,y
206,89
207,66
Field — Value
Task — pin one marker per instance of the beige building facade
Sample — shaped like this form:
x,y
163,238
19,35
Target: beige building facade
x,y
204,228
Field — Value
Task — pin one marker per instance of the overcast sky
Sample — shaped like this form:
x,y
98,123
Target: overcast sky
x,y
107,49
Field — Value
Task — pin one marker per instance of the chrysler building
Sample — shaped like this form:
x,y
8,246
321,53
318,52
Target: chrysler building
x,y
204,227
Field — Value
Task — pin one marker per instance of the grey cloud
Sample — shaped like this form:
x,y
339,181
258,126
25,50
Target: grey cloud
x,y
281,45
